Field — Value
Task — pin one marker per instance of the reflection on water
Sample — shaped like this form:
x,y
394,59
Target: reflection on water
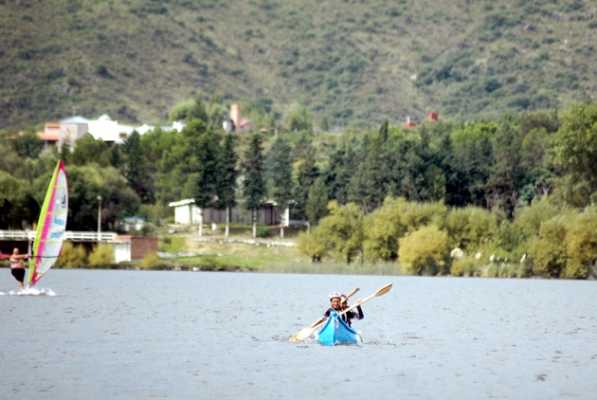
x,y
140,334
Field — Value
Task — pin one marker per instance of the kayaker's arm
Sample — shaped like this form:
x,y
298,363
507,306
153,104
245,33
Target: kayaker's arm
x,y
360,314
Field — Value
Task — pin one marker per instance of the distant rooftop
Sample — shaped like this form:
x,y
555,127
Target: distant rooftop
x,y
75,120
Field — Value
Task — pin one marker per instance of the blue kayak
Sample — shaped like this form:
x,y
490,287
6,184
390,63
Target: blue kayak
x,y
335,331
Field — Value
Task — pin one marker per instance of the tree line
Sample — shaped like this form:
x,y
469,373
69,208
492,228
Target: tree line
x,y
499,166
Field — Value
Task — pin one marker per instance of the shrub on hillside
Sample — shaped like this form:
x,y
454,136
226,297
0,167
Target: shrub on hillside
x,y
102,256
424,251
71,256
312,245
581,244
173,244
548,249
150,261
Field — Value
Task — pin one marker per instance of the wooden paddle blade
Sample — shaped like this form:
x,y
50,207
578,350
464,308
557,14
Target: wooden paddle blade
x,y
380,292
306,332
349,295
384,290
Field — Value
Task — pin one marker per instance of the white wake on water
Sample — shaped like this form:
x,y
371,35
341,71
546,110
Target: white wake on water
x,y
30,292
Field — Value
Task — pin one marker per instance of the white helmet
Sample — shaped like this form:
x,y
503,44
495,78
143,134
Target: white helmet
x,y
334,295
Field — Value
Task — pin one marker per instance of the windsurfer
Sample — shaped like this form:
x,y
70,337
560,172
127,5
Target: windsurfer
x,y
17,268
337,306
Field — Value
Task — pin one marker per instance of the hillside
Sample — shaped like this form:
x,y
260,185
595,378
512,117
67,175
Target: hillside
x,y
357,62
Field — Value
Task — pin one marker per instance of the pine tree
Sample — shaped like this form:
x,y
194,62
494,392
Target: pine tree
x,y
281,175
253,183
317,203
136,171
307,173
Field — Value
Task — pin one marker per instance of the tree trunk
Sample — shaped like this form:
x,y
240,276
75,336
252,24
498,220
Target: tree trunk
x,y
201,222
227,221
254,224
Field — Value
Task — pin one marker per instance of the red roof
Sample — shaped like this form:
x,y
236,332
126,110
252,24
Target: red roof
x,y
49,136
243,122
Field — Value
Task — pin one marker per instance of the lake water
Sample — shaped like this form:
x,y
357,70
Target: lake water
x,y
204,335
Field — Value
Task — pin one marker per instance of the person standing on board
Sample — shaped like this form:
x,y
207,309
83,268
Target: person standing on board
x,y
17,268
336,301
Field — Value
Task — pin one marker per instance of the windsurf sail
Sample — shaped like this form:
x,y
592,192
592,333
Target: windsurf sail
x,y
50,227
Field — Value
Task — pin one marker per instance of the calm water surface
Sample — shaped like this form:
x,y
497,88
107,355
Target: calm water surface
x,y
185,335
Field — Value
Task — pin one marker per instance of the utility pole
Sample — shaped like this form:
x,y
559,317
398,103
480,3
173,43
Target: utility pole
x,y
99,220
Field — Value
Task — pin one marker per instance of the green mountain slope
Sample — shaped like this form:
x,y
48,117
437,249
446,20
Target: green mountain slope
x,y
355,61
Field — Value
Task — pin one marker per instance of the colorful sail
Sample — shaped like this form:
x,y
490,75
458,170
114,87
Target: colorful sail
x,y
50,227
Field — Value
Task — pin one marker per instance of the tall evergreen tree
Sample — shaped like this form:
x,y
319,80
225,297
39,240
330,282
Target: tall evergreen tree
x,y
281,175
506,176
342,166
253,183
369,183
135,169
227,178
307,173
317,203
202,184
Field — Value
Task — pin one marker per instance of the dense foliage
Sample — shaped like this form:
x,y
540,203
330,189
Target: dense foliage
x,y
519,187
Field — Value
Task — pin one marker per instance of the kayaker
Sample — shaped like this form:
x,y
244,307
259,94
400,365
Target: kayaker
x,y
17,268
336,301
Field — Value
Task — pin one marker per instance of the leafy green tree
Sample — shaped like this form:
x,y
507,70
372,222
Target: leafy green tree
x,y
531,218
85,183
178,161
538,121
102,256
227,178
506,175
71,256
89,150
575,144
313,245
305,174
383,228
181,111
198,110
254,189
116,157
581,244
548,249
298,118
28,144
424,251
118,199
17,206
136,171
317,202
343,230
10,161
470,228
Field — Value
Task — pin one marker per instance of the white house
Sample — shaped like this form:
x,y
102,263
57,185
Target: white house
x,y
187,213
177,126
104,128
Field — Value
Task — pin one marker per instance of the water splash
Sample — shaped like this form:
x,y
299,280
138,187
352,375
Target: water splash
x,y
30,292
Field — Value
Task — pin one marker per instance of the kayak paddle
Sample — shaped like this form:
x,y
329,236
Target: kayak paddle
x,y
306,332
